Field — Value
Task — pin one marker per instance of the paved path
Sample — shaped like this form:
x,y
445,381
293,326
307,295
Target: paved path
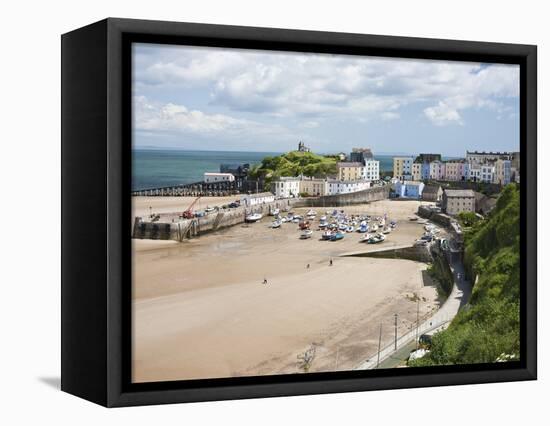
x,y
375,249
460,294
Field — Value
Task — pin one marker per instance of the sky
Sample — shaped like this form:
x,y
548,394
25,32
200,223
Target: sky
x,y
205,98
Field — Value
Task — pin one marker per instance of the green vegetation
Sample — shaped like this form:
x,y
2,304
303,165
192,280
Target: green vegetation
x,y
440,272
294,163
487,329
468,219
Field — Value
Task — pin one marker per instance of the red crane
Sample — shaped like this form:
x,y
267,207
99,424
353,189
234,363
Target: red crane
x,y
188,214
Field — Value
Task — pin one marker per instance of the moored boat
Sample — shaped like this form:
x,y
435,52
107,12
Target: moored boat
x,y
337,236
326,235
376,238
306,234
365,238
254,217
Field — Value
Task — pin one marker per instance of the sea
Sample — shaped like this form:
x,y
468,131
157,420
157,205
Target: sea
x,y
155,168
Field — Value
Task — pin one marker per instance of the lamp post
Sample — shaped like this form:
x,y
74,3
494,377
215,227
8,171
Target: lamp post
x,y
417,320
379,343
395,339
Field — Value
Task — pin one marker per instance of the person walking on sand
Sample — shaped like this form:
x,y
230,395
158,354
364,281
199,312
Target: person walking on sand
x,y
330,262
307,266
265,281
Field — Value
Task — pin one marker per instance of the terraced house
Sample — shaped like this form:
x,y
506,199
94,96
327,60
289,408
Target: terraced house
x,y
350,171
402,167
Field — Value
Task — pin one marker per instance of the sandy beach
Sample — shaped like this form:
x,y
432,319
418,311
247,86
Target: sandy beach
x,y
201,310
142,206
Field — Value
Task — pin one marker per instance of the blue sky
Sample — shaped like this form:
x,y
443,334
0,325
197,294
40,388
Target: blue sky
x,y
206,98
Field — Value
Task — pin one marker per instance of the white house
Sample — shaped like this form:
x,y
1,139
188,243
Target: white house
x,y
251,200
286,187
218,177
474,173
345,187
487,173
371,171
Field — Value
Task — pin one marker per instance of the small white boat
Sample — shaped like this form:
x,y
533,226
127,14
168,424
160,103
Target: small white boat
x,y
377,238
311,212
209,209
326,235
306,234
386,230
276,224
350,229
254,217
274,212
323,219
365,238
374,227
284,219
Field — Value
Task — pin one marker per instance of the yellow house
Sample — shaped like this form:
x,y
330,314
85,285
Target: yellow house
x,y
402,167
314,187
350,171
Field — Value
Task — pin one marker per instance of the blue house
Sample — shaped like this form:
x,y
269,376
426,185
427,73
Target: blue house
x,y
425,171
409,189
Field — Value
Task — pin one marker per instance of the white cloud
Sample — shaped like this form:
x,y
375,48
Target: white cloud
x,y
315,87
154,118
169,117
443,114
388,116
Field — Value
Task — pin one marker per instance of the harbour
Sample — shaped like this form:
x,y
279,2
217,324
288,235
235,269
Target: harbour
x,y
285,291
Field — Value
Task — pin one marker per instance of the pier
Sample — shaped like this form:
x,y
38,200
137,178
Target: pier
x,y
203,189
172,226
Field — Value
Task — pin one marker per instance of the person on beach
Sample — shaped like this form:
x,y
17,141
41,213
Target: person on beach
x,y
330,262
265,281
307,266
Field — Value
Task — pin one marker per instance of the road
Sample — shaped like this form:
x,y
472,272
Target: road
x,y
460,294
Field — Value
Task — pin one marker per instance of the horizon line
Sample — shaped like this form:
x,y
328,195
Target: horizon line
x,y
385,153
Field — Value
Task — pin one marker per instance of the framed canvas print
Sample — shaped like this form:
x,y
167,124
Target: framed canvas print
x,y
254,212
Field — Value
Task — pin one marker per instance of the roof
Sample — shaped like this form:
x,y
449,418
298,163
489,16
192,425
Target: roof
x,y
429,189
260,195
463,193
287,178
411,183
349,164
347,182
217,174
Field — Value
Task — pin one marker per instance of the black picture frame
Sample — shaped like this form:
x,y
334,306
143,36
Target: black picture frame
x,y
96,130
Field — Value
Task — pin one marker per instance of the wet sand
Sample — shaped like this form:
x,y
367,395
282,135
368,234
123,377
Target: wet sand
x,y
201,310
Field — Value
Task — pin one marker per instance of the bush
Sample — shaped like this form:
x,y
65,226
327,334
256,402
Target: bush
x,y
489,326
468,219
294,163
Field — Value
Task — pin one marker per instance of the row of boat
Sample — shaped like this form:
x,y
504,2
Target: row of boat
x,y
336,224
